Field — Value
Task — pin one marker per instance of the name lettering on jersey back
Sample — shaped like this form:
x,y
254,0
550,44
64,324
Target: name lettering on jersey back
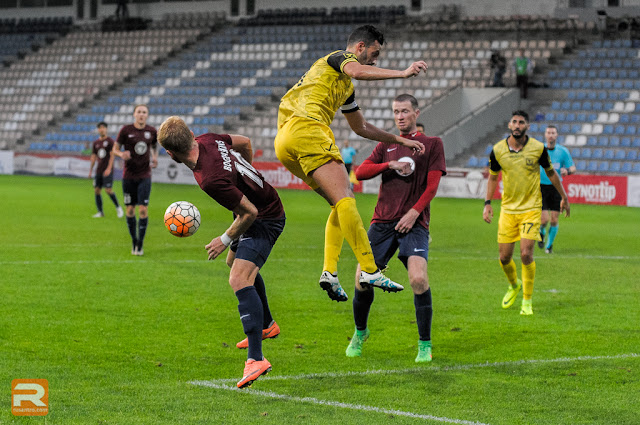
x,y
224,153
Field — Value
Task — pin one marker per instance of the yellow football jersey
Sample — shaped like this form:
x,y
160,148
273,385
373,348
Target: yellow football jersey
x,y
520,174
321,91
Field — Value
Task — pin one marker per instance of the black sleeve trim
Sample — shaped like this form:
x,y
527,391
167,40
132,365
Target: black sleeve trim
x,y
494,165
544,159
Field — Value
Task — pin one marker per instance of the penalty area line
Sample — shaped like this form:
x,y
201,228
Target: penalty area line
x,y
429,369
312,400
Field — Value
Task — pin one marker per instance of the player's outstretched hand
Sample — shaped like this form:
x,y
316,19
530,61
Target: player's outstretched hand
x,y
487,213
413,144
126,155
215,248
415,69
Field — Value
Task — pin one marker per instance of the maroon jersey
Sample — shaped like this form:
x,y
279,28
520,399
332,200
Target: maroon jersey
x,y
399,194
225,176
102,150
139,143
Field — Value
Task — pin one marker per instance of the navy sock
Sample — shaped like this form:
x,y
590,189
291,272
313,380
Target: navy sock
x,y
424,314
131,223
142,229
362,301
99,202
262,293
114,199
250,309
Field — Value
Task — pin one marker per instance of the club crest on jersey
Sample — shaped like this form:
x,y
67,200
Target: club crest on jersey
x,y
140,148
529,162
105,143
102,153
147,135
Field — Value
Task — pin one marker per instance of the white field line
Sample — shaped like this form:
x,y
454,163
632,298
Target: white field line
x,y
293,260
219,384
427,369
312,400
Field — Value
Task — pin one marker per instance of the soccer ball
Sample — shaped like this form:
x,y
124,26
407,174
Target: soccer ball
x,y
182,218
410,161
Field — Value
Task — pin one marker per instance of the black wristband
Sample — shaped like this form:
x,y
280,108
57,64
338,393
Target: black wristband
x,y
487,202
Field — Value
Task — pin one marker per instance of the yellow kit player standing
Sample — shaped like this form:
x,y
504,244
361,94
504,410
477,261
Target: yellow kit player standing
x,y
519,157
306,146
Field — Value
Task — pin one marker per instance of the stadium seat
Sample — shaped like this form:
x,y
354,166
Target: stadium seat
x,y
614,167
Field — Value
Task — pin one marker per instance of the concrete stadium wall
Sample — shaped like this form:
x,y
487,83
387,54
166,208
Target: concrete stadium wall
x,y
467,115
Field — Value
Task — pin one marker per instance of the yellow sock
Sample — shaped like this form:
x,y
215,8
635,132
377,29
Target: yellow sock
x,y
528,276
332,242
509,270
353,231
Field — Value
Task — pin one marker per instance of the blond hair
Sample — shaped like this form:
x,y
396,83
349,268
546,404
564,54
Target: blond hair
x,y
174,135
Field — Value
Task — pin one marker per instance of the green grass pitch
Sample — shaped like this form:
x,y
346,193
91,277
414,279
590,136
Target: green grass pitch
x,y
121,338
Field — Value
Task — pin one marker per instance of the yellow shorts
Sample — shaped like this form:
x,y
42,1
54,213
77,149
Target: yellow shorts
x,y
303,145
513,227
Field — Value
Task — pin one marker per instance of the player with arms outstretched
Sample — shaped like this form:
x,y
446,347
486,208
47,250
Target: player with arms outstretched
x,y
140,154
221,165
401,219
306,146
519,157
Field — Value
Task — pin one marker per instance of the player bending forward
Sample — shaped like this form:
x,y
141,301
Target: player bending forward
x,y
221,165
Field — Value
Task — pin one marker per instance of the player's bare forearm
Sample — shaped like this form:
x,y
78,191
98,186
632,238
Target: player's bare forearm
x,y
369,131
246,214
367,72
242,145
492,184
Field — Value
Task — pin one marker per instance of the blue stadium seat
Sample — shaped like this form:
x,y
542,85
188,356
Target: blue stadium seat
x,y
488,149
630,130
581,165
575,153
614,167
631,156
619,130
597,153
626,167
625,142
592,166
614,141
608,129
603,167
636,142
636,168
620,154
472,162
571,116
592,141
609,154
586,153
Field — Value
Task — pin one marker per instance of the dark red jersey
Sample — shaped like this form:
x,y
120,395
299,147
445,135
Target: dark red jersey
x,y
225,176
139,142
102,150
398,194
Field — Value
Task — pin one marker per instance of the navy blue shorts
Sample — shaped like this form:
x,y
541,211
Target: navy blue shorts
x,y
256,243
103,181
386,240
136,191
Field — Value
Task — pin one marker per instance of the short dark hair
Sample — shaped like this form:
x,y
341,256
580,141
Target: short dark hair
x,y
419,124
521,113
552,126
102,123
367,33
404,97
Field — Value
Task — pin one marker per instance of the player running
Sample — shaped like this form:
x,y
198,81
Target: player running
x,y
101,152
